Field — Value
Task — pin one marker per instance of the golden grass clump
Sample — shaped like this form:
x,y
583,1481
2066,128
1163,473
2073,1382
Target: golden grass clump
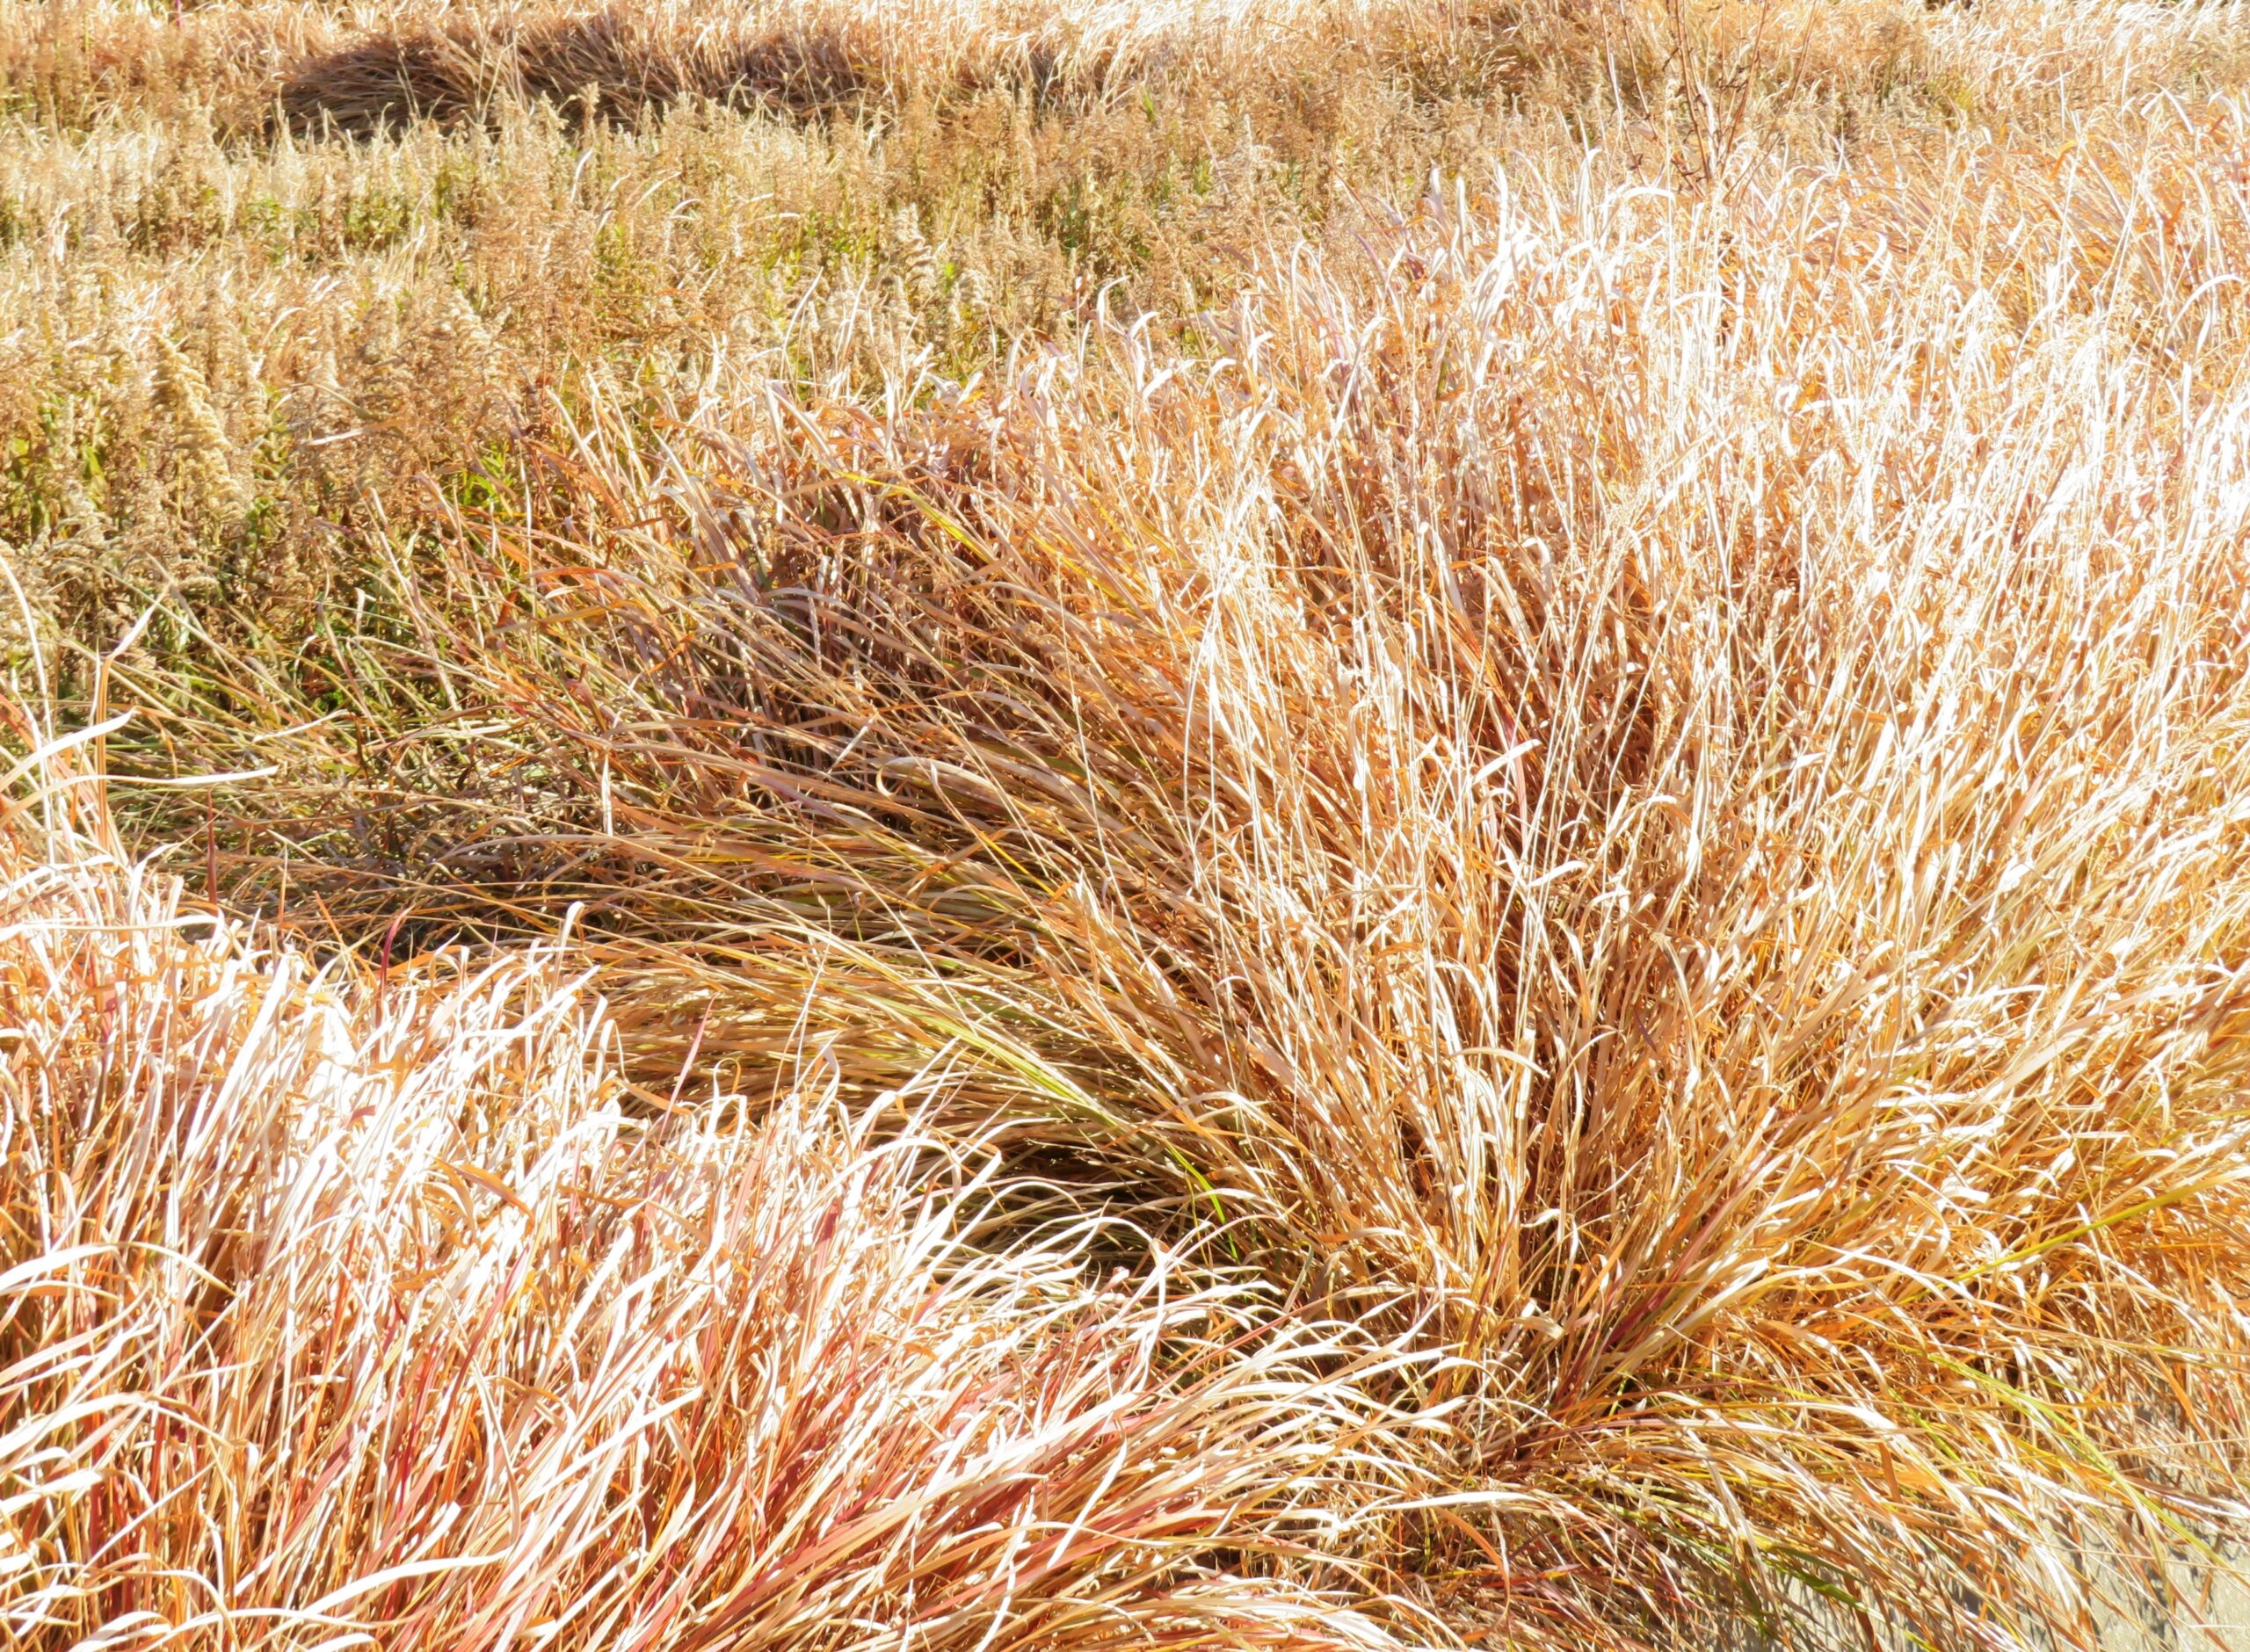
x,y
360,1307
1419,827
1660,822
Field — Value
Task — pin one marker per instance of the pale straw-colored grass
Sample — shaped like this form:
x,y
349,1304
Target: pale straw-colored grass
x,y
1628,771
339,1307
1649,791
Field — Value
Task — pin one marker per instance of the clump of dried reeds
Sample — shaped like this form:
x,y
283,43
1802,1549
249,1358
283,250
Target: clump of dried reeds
x,y
353,1303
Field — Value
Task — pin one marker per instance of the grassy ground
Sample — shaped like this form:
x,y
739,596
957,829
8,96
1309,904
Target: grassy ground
x,y
876,825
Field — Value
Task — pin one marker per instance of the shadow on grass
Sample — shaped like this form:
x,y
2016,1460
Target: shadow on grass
x,y
601,67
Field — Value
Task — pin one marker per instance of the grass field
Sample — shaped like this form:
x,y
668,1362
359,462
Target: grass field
x,y
962,825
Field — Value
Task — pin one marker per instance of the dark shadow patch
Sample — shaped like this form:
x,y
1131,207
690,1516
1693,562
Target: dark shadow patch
x,y
384,84
605,67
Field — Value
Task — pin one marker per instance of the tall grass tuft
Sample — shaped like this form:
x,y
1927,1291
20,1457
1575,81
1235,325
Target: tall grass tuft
x,y
343,1306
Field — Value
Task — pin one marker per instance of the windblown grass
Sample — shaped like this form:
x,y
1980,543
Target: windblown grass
x,y
344,1305
1588,814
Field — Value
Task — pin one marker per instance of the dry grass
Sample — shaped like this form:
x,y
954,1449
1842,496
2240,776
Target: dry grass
x,y
1516,903
348,1307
